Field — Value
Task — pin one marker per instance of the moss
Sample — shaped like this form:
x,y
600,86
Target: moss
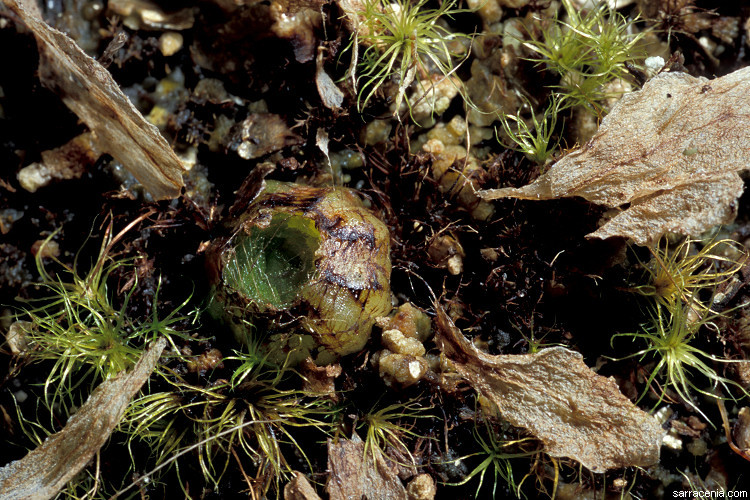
x,y
588,51
402,41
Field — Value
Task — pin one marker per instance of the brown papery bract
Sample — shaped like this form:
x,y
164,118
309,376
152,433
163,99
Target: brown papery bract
x,y
561,401
44,472
90,92
673,151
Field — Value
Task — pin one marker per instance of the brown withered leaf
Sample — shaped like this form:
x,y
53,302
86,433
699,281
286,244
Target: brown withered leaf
x,y
355,474
553,394
91,93
299,488
672,151
44,471
320,380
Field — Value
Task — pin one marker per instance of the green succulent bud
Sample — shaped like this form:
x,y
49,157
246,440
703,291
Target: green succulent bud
x,y
315,255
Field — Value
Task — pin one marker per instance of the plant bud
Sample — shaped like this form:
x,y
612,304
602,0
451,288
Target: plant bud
x,y
314,253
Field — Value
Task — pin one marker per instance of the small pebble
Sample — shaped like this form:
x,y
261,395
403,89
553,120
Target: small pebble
x,y
45,249
170,42
20,396
421,487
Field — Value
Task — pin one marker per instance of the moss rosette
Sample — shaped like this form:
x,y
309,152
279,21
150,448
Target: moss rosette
x,y
316,253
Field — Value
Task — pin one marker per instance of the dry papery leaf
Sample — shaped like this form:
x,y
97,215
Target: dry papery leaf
x,y
91,93
299,488
354,474
320,380
553,394
44,471
672,151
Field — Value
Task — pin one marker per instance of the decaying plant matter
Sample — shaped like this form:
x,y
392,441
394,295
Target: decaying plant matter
x,y
672,152
47,469
573,411
358,474
89,90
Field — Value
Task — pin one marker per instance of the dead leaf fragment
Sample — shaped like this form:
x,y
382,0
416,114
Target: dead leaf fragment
x,y
353,14
17,339
330,94
320,380
673,151
263,133
44,471
297,21
91,93
354,474
572,410
742,429
299,488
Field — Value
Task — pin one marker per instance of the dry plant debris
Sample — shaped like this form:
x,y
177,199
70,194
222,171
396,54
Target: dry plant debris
x,y
44,472
330,94
299,488
356,474
91,93
263,133
552,393
672,151
69,161
742,429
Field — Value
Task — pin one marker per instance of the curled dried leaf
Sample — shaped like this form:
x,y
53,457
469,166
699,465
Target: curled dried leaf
x,y
552,393
263,133
91,93
44,472
330,94
669,155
